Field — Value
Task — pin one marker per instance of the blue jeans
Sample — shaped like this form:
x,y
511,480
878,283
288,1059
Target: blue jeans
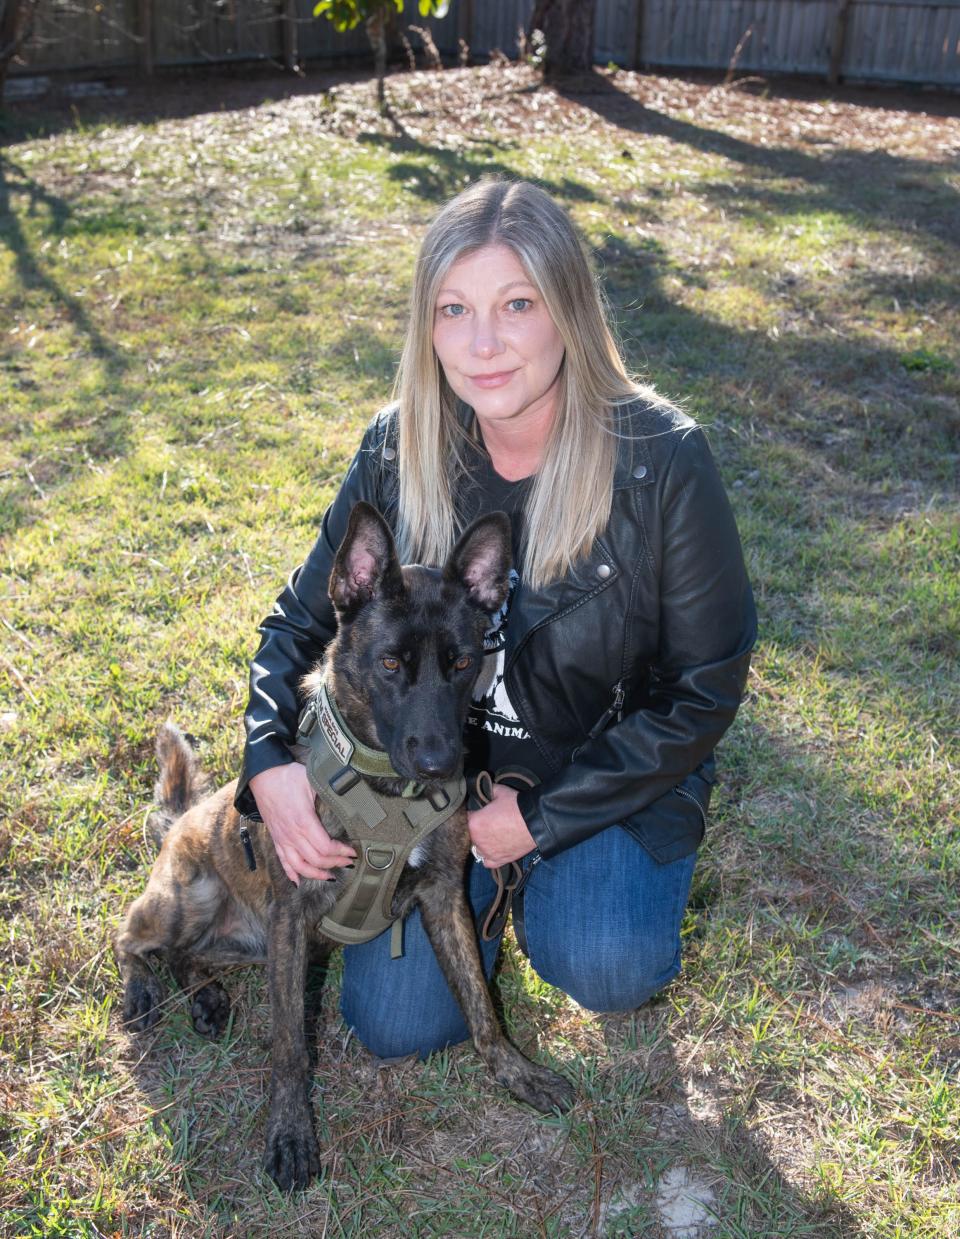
x,y
602,923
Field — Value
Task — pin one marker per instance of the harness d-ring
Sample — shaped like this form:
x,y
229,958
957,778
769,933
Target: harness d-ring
x,y
384,857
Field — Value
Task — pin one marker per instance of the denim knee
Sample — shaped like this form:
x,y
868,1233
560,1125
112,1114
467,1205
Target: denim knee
x,y
387,1039
619,978
404,1006
610,953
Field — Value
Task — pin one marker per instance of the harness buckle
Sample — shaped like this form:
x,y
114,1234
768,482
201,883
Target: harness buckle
x,y
438,799
343,780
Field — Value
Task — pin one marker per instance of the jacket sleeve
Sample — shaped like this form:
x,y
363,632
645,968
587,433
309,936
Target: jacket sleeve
x,y
694,687
296,632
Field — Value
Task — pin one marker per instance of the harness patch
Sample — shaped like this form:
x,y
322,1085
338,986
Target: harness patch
x,y
336,737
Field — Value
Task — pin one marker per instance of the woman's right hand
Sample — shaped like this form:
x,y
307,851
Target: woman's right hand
x,y
286,803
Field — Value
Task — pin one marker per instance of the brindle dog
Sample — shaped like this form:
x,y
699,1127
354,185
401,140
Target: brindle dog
x,y
401,668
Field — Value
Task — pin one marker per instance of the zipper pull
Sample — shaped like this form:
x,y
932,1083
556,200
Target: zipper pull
x,y
615,708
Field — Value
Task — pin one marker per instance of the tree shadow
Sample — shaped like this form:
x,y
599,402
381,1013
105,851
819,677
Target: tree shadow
x,y
448,171
813,365
174,93
840,181
14,179
104,432
699,1169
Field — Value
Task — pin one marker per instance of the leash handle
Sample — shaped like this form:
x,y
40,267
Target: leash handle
x,y
510,878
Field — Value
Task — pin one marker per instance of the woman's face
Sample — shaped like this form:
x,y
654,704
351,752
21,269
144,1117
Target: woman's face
x,y
499,348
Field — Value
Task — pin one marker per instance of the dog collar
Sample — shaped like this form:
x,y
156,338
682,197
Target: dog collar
x,y
322,712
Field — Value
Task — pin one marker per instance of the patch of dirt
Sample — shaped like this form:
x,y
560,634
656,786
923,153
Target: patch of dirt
x,y
684,1201
450,109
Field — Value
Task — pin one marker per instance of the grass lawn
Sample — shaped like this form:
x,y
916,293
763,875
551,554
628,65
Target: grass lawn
x,y
201,308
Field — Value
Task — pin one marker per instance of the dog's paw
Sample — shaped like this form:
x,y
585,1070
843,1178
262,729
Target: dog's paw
x,y
210,1010
292,1157
141,1003
541,1088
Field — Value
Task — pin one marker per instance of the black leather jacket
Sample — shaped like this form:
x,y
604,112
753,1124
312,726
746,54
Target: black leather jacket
x,y
661,607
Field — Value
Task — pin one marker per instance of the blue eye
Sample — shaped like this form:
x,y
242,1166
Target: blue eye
x,y
523,302
450,311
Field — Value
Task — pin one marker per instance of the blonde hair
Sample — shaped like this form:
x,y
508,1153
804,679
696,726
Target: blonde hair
x,y
580,455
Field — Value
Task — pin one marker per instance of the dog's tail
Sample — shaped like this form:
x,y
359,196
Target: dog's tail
x,y
181,783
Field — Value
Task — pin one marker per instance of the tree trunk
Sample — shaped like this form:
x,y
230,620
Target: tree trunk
x,y
289,32
377,34
568,27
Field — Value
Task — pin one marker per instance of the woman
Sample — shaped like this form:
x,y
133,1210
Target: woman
x,y
614,669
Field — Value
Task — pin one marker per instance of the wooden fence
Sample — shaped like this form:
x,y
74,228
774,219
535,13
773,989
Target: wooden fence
x,y
874,40
894,40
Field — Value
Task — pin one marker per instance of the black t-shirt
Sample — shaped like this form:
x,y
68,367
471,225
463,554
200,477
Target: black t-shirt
x,y
494,736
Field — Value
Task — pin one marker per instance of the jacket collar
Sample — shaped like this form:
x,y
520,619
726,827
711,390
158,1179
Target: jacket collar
x,y
634,465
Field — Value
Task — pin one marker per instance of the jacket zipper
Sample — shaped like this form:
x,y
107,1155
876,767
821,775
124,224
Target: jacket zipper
x,y
682,791
615,708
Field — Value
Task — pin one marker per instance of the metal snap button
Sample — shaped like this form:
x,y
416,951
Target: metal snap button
x,y
640,472
389,453
603,571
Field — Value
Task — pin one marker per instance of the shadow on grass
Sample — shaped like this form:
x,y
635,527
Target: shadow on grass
x,y
844,182
700,1169
29,270
173,93
396,1137
810,387
448,171
106,432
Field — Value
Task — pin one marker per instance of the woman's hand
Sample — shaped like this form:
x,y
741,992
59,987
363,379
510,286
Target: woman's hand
x,y
498,830
286,803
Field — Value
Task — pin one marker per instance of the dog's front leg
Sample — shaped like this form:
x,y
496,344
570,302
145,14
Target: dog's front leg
x,y
292,1157
449,926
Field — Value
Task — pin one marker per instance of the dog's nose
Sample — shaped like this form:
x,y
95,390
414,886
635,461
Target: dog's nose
x,y
434,760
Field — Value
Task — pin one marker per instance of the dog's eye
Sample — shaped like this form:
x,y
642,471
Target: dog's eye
x,y
391,664
463,662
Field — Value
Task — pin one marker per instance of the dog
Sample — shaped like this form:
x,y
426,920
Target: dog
x,y
400,669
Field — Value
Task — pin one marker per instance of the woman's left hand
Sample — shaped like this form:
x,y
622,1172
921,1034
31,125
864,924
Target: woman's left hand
x,y
498,830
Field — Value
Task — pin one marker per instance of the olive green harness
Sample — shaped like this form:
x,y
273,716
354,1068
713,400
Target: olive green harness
x,y
385,830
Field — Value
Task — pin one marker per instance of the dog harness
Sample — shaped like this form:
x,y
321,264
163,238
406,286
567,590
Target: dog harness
x,y
385,830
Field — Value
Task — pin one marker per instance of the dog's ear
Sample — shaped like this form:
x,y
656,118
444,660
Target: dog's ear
x,y
481,561
366,562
